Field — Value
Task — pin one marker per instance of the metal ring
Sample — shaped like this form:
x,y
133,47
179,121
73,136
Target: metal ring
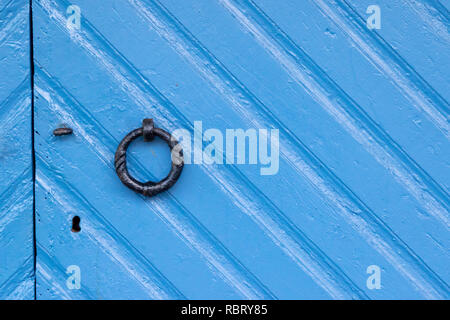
x,y
149,188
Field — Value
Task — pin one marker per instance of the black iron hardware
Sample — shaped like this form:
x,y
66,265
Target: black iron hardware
x,y
150,188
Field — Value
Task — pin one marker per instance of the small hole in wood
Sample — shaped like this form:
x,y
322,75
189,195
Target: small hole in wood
x,y
76,224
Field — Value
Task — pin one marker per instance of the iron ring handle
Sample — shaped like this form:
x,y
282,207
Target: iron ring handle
x,y
149,188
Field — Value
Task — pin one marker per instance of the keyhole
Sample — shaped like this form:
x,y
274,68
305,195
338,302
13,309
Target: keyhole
x,y
76,224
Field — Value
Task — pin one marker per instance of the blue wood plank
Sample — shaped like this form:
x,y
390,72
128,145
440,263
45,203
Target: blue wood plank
x,y
16,183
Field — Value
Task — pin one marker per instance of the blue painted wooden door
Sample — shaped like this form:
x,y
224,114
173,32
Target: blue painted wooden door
x,y
353,204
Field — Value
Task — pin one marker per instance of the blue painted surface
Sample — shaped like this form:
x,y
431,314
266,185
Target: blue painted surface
x,y
364,146
16,183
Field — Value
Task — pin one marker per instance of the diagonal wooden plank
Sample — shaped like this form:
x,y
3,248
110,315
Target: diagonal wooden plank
x,y
20,285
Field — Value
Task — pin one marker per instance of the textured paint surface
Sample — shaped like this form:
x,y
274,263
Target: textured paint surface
x,y
364,149
16,184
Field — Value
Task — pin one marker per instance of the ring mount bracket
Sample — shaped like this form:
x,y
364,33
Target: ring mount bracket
x,y
149,188
148,127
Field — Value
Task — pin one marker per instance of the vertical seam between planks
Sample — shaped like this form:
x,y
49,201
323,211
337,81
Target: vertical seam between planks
x,y
32,142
